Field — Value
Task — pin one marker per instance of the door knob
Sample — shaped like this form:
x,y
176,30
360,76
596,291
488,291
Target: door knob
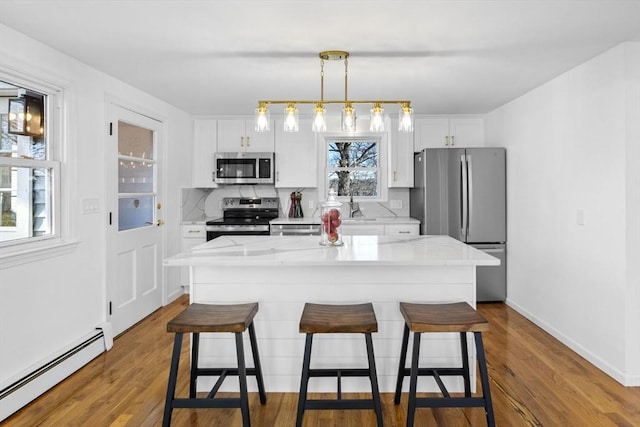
x,y
159,222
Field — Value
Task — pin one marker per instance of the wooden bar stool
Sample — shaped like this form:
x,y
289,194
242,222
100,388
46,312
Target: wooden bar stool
x,y
455,317
199,318
350,319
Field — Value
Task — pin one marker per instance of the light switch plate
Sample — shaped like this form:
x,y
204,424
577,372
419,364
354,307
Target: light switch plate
x,y
90,206
395,204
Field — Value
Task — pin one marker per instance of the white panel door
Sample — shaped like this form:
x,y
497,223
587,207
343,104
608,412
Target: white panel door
x,y
134,275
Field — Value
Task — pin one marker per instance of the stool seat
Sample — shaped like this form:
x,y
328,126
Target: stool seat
x,y
214,318
342,318
454,317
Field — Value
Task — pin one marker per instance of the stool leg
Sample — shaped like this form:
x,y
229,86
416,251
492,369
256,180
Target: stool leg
x,y
304,381
484,379
413,383
373,375
195,349
403,359
256,363
173,375
465,364
242,378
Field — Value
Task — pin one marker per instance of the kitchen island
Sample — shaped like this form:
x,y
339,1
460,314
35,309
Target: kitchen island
x,y
281,273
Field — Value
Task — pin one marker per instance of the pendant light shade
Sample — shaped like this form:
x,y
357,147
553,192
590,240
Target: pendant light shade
x,y
262,118
348,118
377,118
291,118
405,119
319,119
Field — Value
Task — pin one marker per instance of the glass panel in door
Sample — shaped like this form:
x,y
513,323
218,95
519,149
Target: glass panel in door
x,y
136,177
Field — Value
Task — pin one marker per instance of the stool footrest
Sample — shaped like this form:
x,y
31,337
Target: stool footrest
x,y
450,402
441,371
357,372
221,402
211,372
339,404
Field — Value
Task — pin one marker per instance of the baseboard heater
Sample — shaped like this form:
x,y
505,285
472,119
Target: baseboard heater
x,y
37,380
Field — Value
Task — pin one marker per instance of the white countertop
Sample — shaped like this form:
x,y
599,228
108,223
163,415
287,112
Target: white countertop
x,y
357,250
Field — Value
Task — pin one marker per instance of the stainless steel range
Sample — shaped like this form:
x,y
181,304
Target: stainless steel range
x,y
243,216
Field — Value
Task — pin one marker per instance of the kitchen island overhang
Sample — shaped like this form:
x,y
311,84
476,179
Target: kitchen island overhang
x,y
281,273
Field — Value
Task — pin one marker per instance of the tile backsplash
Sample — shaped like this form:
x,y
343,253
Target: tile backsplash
x,y
201,204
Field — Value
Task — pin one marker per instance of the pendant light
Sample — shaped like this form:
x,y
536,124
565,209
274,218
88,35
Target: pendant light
x,y
348,115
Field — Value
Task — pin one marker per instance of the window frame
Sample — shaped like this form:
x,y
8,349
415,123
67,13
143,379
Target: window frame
x,y
380,140
61,239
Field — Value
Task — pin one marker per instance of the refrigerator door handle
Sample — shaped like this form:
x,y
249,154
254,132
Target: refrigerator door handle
x,y
470,193
463,196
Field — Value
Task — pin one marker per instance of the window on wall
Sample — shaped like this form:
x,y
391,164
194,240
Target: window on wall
x,y
353,167
29,174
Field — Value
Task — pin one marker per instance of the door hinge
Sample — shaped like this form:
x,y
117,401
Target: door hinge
x,y
110,218
110,308
111,128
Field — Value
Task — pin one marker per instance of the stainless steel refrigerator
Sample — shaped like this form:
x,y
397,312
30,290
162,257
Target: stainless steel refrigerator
x,y
461,192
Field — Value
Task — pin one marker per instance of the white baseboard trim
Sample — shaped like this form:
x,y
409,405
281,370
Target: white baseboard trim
x,y
18,391
605,367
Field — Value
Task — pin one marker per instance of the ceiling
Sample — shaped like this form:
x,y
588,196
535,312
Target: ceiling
x,y
221,56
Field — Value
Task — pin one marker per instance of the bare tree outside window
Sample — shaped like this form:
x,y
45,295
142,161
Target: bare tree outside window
x,y
352,167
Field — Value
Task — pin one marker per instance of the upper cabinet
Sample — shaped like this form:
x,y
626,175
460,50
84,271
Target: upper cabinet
x,y
239,135
442,132
204,145
296,156
400,158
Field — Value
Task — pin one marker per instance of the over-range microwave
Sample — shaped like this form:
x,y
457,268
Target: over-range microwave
x,y
244,168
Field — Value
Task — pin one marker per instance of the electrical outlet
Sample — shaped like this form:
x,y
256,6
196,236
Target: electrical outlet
x,y
311,204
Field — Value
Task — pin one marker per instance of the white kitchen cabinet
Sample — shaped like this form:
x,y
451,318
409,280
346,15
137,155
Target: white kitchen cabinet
x,y
192,235
296,156
363,228
367,228
204,145
442,132
239,135
400,157
402,229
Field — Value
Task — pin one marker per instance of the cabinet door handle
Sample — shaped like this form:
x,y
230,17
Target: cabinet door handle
x,y
278,176
248,142
404,232
242,141
395,175
453,140
446,140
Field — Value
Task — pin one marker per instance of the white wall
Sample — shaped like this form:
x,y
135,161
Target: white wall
x,y
568,144
48,304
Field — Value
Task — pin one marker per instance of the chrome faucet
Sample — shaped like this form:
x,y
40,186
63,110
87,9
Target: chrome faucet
x,y
354,207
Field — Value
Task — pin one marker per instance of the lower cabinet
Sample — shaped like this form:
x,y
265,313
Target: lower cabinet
x,y
402,229
192,235
367,229
362,229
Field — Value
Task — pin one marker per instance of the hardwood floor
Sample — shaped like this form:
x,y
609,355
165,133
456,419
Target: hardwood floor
x,y
535,380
